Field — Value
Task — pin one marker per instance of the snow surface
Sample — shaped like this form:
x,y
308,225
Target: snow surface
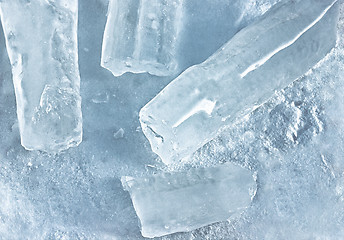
x,y
295,143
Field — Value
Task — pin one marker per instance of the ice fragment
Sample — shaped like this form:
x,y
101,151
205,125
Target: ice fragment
x,y
141,36
41,40
176,202
119,134
263,57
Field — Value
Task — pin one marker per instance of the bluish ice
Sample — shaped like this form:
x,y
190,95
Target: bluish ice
x,y
294,142
244,73
186,200
41,40
142,36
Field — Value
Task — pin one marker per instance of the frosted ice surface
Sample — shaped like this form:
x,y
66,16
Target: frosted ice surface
x,y
263,57
294,142
182,201
41,40
141,36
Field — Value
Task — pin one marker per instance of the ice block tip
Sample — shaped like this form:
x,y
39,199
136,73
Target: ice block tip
x,y
142,36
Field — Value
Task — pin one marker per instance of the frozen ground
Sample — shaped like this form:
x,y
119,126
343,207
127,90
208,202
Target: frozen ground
x,y
295,142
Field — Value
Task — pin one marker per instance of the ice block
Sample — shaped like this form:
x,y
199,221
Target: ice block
x,y
260,59
183,201
142,36
41,41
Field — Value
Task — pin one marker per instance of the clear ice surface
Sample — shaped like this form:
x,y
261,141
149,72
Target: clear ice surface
x,y
264,57
142,36
41,40
183,201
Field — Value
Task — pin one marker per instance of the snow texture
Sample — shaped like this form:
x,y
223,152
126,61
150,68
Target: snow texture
x,y
294,142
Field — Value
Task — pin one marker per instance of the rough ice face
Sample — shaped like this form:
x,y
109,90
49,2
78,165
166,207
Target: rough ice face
x,y
41,40
141,36
263,57
183,201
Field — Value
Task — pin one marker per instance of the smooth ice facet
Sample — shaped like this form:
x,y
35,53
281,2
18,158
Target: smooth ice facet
x,y
41,40
262,58
141,36
182,201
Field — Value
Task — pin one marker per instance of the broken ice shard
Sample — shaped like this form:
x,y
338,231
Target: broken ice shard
x,y
183,201
41,41
141,36
262,58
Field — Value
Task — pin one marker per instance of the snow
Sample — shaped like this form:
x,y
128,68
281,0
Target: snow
x,y
294,142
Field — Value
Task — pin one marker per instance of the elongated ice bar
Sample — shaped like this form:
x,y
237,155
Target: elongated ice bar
x,y
142,36
263,57
41,40
182,201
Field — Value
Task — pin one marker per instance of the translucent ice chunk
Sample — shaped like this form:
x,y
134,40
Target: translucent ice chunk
x,y
141,36
263,57
41,40
183,201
